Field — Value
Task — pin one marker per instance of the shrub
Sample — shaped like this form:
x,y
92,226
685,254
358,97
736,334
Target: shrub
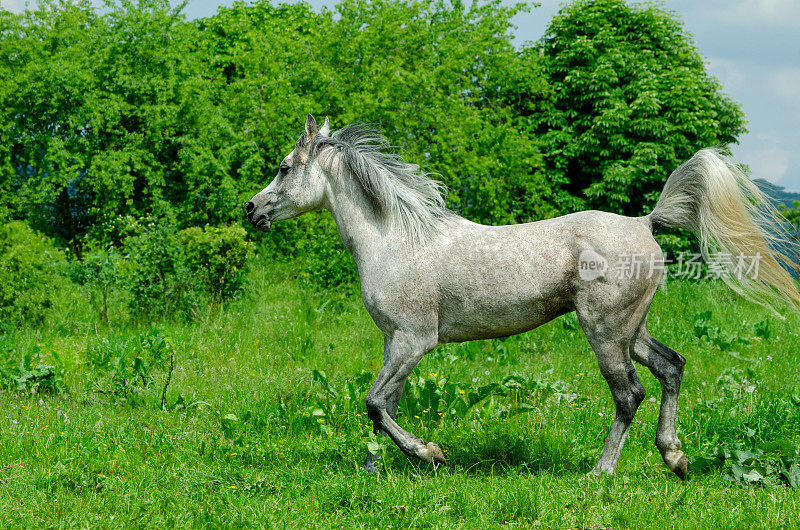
x,y
100,272
216,256
29,372
324,262
313,243
30,268
157,276
170,272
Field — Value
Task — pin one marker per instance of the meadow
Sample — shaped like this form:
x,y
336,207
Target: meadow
x,y
252,414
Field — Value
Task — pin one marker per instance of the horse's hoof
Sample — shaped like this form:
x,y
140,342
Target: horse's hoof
x,y
678,464
599,472
369,463
435,455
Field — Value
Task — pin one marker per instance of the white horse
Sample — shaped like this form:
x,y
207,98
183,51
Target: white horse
x,y
430,277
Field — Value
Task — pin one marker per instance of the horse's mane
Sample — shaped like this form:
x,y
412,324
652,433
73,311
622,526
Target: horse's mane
x,y
399,191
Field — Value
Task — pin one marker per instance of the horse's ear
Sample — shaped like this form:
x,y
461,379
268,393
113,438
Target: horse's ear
x,y
325,130
311,128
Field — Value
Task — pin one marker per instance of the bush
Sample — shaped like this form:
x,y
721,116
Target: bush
x,y
323,260
216,256
157,276
169,272
100,272
30,268
314,245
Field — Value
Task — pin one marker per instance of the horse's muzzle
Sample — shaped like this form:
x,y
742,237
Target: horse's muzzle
x,y
257,216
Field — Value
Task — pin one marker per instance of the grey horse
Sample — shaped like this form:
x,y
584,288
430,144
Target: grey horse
x,y
430,277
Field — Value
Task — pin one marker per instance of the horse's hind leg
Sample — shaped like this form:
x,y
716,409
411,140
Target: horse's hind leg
x,y
609,331
667,366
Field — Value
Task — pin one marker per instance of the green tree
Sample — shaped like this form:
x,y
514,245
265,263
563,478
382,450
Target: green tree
x,y
109,116
630,101
433,75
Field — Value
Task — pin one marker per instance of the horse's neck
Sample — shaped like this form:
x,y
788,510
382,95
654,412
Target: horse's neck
x,y
362,232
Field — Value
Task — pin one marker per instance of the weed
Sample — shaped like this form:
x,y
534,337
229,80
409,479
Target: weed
x,y
778,464
434,399
123,369
28,371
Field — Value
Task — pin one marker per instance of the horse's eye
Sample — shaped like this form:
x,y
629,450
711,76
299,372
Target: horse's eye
x,y
285,167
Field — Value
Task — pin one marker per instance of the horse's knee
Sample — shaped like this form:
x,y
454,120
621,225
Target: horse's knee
x,y
628,404
374,407
638,393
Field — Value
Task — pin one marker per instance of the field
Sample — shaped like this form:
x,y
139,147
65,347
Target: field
x,y
263,421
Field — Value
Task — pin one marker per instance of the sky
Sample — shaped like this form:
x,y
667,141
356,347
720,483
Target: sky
x,y
752,47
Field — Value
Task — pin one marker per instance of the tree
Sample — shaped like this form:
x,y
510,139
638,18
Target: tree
x,y
101,126
107,117
431,75
435,76
630,101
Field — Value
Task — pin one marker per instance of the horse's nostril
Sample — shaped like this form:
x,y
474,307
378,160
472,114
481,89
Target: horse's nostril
x,y
249,207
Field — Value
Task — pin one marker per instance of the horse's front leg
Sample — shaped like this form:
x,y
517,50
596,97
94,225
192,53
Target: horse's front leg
x,y
402,353
391,408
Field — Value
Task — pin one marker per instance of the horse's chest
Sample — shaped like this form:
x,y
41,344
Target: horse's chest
x,y
395,306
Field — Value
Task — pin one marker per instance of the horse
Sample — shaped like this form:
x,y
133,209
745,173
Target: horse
x,y
429,276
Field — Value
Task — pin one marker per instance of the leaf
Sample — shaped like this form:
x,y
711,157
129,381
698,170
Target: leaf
x,y
320,377
753,476
790,471
229,423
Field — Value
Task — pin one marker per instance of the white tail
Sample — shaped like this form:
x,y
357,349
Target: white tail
x,y
711,197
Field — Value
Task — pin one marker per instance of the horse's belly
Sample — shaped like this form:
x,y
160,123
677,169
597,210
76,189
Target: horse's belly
x,y
475,318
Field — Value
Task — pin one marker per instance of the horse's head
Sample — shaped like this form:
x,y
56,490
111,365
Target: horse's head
x,y
298,187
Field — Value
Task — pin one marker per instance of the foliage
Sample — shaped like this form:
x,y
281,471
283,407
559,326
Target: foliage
x,y
705,328
101,272
434,399
766,457
792,215
328,407
163,271
441,81
216,256
132,112
158,278
325,263
630,101
29,372
101,112
123,368
752,466
30,269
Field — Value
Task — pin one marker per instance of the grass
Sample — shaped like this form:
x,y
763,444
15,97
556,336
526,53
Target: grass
x,y
253,436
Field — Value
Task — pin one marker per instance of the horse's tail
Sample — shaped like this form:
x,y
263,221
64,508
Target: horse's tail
x,y
711,197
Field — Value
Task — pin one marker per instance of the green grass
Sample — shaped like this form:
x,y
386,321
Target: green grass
x,y
260,442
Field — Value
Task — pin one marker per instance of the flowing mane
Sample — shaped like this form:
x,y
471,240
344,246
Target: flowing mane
x,y
399,191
